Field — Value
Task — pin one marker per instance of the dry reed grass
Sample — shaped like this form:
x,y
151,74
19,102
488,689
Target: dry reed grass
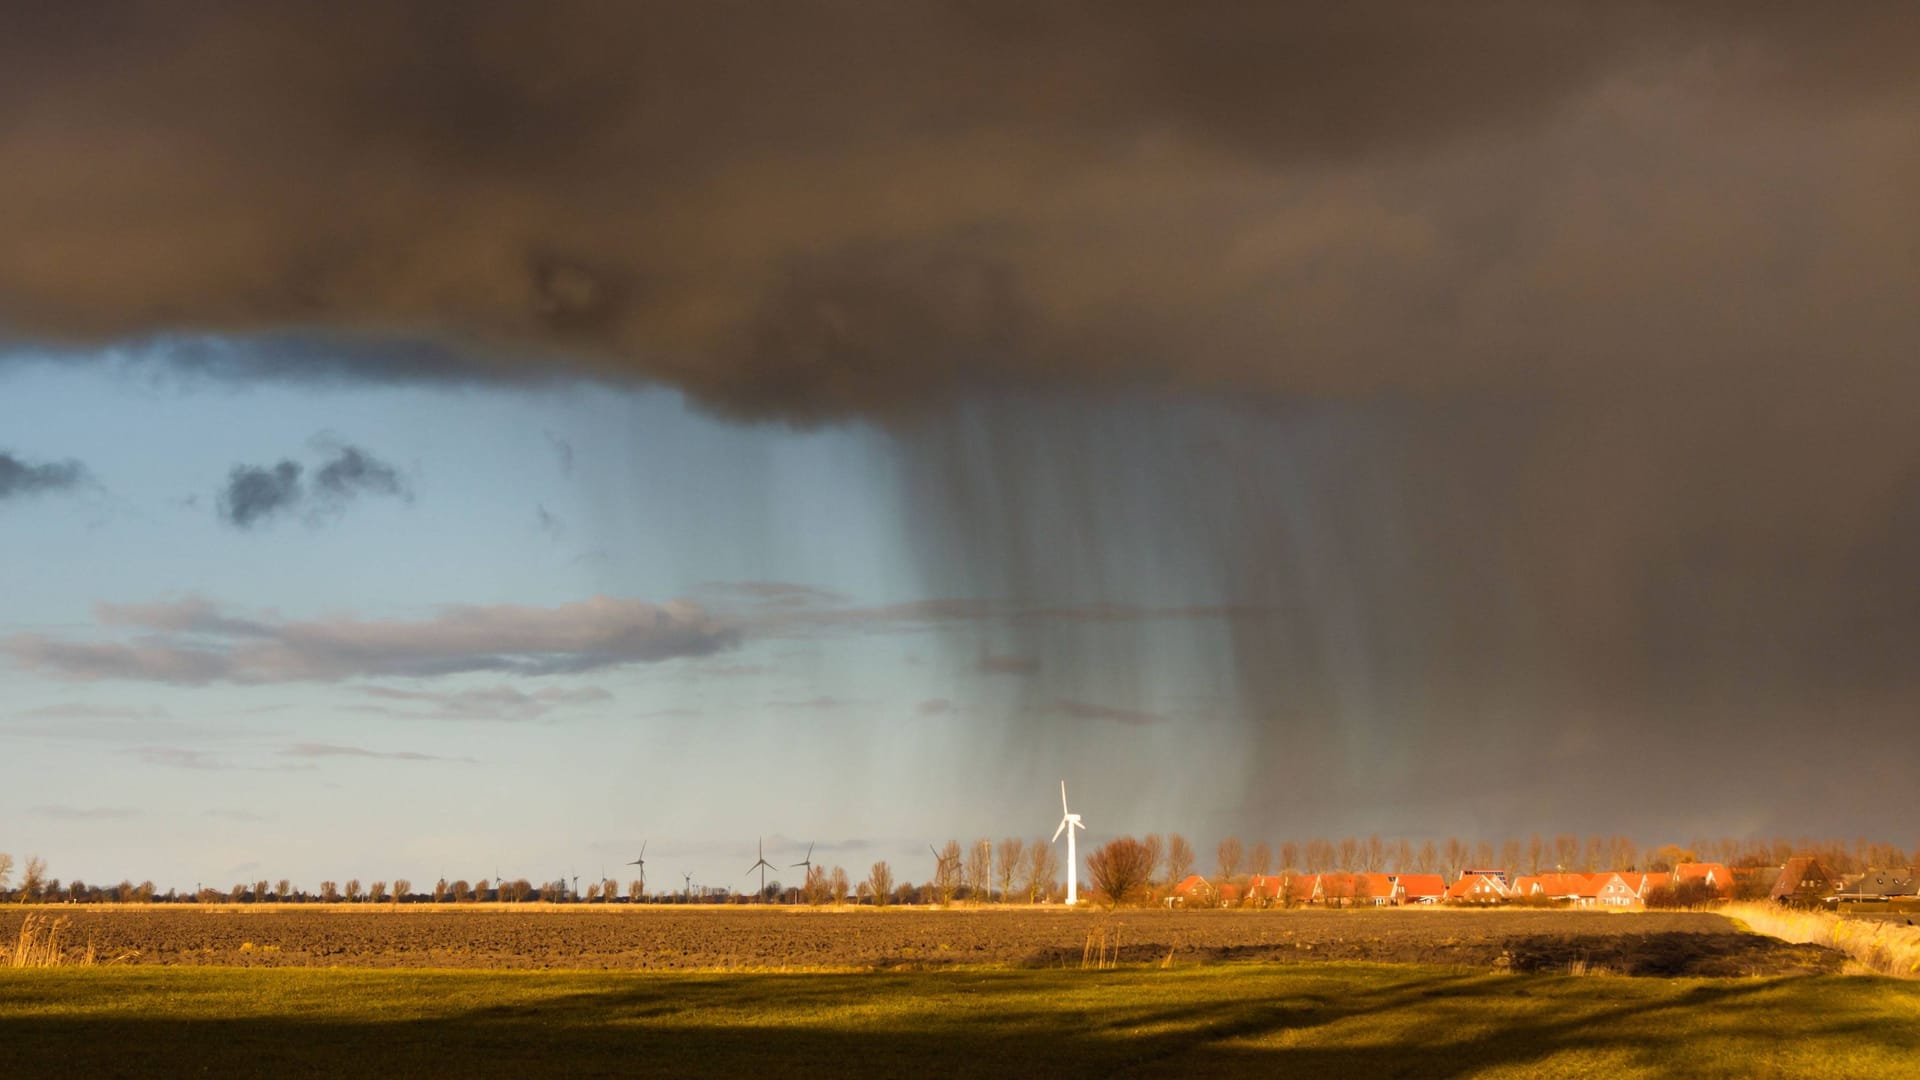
x,y
1884,948
39,943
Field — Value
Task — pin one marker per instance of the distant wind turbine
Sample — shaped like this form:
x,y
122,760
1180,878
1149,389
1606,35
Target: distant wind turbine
x,y
641,862
806,862
689,893
763,866
1068,822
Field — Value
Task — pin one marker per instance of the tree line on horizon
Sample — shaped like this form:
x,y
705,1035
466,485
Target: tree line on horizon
x,y
1021,871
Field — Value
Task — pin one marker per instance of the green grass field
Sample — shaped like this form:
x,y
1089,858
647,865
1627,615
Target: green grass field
x,y
1328,1020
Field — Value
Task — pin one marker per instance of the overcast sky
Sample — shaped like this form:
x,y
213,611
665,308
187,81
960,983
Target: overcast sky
x,y
449,438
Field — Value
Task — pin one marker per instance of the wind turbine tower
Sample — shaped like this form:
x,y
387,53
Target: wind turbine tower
x,y
763,866
1069,821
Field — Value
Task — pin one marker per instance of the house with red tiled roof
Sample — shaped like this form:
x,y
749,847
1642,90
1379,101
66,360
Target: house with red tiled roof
x,y
1375,889
1265,890
1626,888
1713,875
1479,887
1568,888
1419,888
1196,891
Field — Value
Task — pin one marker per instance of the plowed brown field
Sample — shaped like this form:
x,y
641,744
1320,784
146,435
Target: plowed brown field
x,y
746,938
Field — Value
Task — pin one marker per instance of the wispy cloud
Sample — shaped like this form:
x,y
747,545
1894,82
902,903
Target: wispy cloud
x,y
496,703
1083,710
562,452
936,707
244,816
193,642
20,477
57,812
178,757
989,664
331,750
824,701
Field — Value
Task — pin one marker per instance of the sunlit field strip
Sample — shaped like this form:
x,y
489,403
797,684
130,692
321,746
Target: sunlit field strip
x,y
1380,1019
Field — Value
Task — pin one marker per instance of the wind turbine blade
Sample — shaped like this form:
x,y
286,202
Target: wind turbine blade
x,y
1058,831
1063,798
809,850
1077,825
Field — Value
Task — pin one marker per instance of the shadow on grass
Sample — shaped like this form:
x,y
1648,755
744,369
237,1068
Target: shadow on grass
x,y
1380,1021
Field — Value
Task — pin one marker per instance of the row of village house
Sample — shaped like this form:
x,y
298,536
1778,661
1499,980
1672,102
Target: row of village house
x,y
1800,878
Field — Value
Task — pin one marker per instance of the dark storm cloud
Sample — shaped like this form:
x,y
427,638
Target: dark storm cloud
x,y
1503,389
257,493
822,209
21,477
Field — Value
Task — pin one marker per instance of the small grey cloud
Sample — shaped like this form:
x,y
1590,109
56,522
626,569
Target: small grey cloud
x,y
258,493
936,707
1082,710
20,477
990,664
192,642
351,472
255,493
548,522
666,714
332,750
57,812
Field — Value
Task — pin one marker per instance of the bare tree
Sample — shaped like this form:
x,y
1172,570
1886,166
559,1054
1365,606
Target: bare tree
x,y
1483,854
330,892
1349,853
401,887
283,891
1428,861
440,890
815,887
1013,852
1596,851
593,892
1289,856
237,894
6,870
1455,856
1260,859
353,890
636,890
1180,859
1566,851
1043,865
1319,855
1230,855
1536,850
1156,847
1510,856
946,871
377,892
1119,869
1402,855
980,869
880,883
33,878
838,883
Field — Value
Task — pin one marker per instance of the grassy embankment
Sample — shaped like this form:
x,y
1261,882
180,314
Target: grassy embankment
x,y
1883,947
1321,1020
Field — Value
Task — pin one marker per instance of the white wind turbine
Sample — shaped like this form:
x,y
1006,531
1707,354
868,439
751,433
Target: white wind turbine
x,y
1069,818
